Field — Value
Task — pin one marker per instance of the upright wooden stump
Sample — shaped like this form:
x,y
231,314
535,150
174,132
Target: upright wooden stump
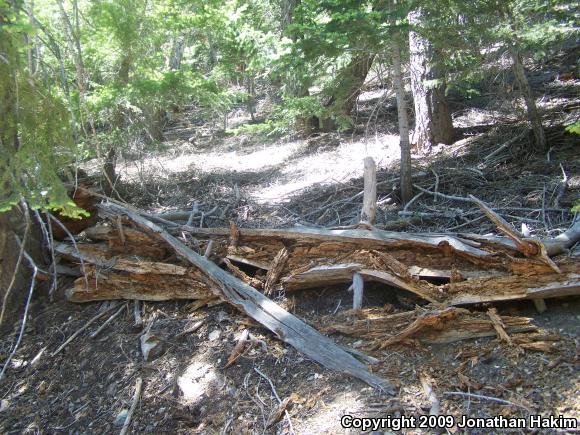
x,y
369,209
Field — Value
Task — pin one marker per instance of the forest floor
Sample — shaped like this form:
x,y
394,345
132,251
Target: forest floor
x,y
290,181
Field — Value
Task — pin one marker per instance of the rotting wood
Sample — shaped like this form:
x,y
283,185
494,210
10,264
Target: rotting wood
x,y
238,349
428,326
114,284
122,278
530,248
275,270
330,257
498,325
285,325
240,274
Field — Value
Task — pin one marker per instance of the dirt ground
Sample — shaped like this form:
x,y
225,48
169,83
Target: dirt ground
x,y
187,388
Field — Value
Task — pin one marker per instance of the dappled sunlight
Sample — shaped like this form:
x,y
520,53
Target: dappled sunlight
x,y
327,417
300,169
196,380
329,166
257,159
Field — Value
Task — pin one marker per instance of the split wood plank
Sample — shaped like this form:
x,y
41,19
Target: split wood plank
x,y
367,238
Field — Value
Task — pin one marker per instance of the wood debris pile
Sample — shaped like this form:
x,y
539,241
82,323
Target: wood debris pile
x,y
130,257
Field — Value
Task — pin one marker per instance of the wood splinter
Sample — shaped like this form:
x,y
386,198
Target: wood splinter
x,y
276,269
357,286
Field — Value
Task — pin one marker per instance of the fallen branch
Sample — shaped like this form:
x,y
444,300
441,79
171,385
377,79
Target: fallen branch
x,y
257,370
109,320
81,329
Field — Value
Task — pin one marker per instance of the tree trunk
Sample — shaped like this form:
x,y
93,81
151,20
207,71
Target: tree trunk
x,y
154,123
15,275
109,171
406,186
74,44
177,53
433,122
349,82
526,90
294,84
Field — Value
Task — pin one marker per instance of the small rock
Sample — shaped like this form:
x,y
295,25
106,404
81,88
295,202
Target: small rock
x,y
120,418
214,335
151,346
4,405
222,316
111,389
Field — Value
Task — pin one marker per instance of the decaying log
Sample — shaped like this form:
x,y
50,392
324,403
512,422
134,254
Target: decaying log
x,y
285,325
486,268
428,326
448,269
275,270
126,278
133,242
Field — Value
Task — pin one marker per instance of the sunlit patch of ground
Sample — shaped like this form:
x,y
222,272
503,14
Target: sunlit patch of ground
x,y
327,419
299,167
329,166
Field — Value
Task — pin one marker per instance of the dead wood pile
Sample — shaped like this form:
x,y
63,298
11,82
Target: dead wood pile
x,y
130,257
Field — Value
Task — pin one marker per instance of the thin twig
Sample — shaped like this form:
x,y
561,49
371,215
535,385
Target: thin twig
x,y
106,322
71,237
47,231
436,184
18,262
136,397
27,306
479,396
257,370
81,329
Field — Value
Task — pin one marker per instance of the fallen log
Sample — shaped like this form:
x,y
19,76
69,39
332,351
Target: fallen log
x,y
428,266
109,278
285,325
428,326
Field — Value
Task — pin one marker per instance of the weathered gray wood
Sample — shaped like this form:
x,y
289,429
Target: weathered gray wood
x,y
370,238
342,273
555,290
285,325
358,285
369,209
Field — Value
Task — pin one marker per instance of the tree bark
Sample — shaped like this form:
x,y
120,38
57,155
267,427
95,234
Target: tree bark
x,y
433,122
531,108
349,82
15,275
177,49
406,185
74,44
295,85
